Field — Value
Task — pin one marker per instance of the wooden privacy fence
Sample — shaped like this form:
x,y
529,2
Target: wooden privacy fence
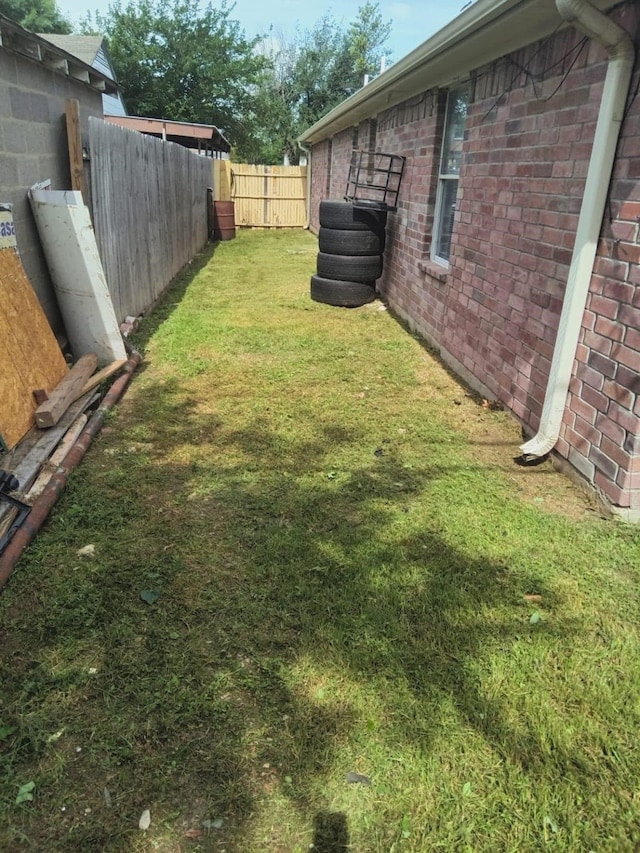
x,y
264,196
149,202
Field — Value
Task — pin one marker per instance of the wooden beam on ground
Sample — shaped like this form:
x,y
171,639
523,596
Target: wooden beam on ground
x,y
26,460
50,466
50,412
9,513
101,375
74,138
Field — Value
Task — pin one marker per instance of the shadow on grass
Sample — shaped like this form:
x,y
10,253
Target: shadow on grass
x,y
299,619
331,833
285,604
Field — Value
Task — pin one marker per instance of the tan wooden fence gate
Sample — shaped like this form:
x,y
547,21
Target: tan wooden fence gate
x,y
264,196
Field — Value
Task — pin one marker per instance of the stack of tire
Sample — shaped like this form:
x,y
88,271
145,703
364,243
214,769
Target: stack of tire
x,y
351,242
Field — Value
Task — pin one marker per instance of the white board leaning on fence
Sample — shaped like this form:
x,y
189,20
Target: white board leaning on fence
x,y
71,251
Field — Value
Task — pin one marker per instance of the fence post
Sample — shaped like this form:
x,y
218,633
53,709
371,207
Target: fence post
x,y
222,180
76,163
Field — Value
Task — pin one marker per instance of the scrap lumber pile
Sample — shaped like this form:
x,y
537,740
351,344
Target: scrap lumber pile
x,y
59,421
43,400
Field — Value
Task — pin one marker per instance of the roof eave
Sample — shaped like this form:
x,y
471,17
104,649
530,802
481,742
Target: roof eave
x,y
156,126
482,33
25,43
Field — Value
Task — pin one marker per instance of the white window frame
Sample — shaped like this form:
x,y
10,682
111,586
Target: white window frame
x,y
444,177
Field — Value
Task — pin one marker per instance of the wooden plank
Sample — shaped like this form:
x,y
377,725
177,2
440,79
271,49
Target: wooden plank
x,y
57,458
29,353
27,459
101,375
7,512
74,139
27,465
7,521
48,414
272,197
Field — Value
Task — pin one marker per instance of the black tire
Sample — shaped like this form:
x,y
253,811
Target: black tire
x,y
335,241
342,215
347,268
346,294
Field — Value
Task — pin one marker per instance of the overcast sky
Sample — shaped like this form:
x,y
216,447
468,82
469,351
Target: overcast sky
x,y
412,22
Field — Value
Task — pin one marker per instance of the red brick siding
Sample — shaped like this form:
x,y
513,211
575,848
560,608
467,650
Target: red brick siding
x,y
520,192
607,368
320,179
330,165
340,161
495,311
414,130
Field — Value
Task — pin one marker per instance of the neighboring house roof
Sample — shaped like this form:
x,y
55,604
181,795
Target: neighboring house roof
x,y
484,32
84,47
203,137
93,51
15,38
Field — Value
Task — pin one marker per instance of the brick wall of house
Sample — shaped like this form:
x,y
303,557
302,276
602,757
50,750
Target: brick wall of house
x,y
601,429
521,186
526,159
330,165
412,284
321,180
33,148
494,312
342,148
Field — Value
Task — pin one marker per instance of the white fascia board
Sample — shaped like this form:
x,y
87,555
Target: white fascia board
x,y
482,33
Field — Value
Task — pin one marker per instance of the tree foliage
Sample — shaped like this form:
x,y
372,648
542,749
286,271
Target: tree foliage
x,y
313,74
39,16
177,60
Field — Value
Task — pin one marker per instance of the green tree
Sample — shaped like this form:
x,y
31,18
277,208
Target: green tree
x,y
333,62
366,38
39,16
177,60
277,99
313,73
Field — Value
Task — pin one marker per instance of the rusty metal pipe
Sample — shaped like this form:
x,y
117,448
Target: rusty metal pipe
x,y
54,488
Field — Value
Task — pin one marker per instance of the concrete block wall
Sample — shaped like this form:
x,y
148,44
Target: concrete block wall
x,y
33,147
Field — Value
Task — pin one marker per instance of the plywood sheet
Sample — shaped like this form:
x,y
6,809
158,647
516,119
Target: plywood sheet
x,y
30,357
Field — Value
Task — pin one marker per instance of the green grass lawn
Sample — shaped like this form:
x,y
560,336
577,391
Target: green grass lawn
x,y
314,557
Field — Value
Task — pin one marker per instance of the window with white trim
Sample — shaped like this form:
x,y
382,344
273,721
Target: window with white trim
x,y
450,161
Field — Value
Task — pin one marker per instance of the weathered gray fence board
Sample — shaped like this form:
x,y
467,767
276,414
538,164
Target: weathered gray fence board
x,y
149,210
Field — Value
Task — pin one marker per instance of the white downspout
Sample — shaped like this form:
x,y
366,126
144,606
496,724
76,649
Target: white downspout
x,y
616,40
